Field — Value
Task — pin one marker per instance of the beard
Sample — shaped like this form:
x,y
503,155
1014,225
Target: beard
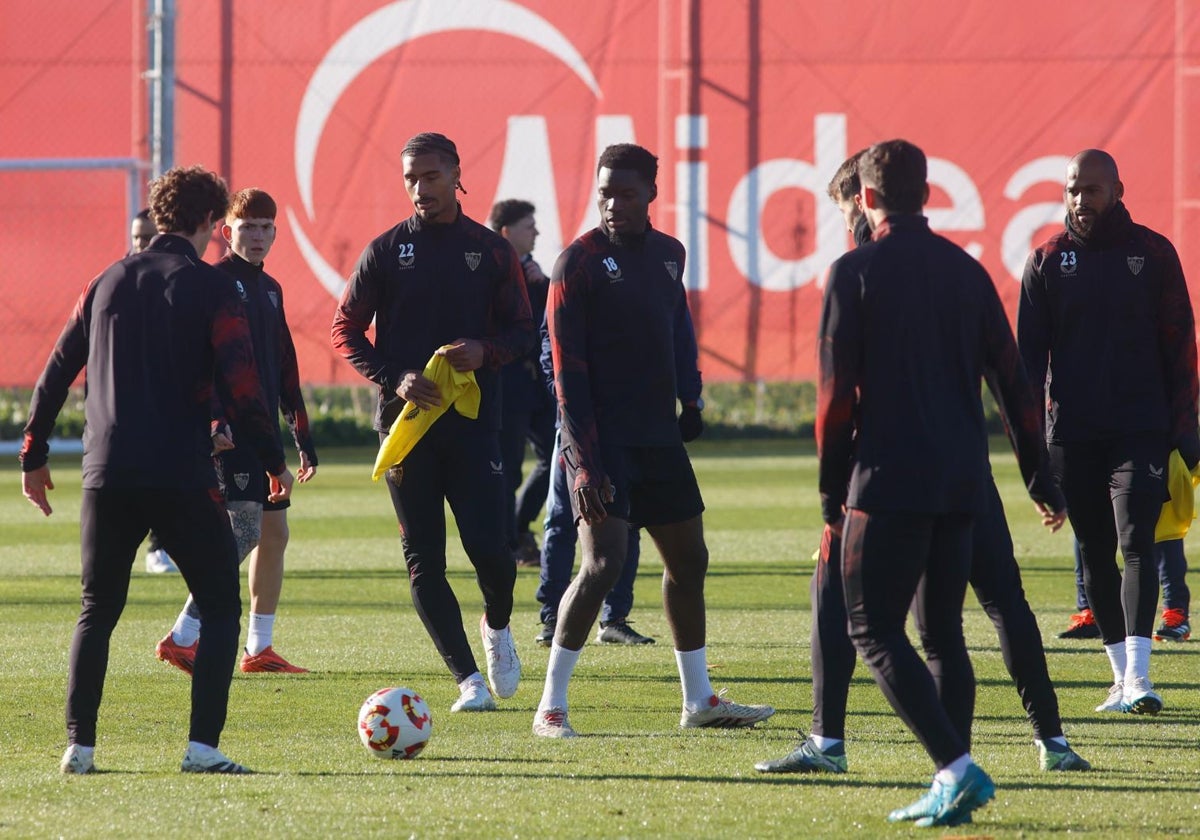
x,y
632,241
862,230
1084,225
1090,224
1102,227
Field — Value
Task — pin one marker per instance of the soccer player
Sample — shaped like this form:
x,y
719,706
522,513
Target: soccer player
x,y
1106,330
909,327
528,411
141,231
616,304
440,282
146,457
843,190
259,524
561,534
994,575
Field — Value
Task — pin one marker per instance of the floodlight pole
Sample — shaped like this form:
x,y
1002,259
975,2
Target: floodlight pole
x,y
161,76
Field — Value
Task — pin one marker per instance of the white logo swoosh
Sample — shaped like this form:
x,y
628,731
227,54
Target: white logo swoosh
x,y
377,34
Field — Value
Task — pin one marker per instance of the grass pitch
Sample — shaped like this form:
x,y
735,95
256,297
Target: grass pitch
x,y
346,614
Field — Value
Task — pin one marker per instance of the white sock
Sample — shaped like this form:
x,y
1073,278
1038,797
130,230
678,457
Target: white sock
x,y
186,630
825,744
558,675
1061,740
1137,654
469,681
954,772
693,675
1116,658
88,753
258,637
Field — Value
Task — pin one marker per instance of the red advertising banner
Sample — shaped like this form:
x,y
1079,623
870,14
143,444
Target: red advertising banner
x,y
750,106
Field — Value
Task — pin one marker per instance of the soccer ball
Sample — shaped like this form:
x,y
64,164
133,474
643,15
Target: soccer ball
x,y
394,723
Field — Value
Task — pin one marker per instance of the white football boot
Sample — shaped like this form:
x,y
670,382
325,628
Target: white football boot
x,y
503,665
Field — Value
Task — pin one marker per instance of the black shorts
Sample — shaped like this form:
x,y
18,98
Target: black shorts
x,y
652,485
242,478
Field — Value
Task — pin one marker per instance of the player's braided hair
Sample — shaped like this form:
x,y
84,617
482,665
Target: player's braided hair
x,y
182,198
430,142
630,156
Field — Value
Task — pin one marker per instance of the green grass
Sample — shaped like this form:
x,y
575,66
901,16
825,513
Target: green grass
x,y
347,615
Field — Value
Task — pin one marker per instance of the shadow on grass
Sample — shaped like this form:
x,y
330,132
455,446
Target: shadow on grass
x,y
1092,647
1105,781
1100,685
653,570
1098,780
1139,738
769,779
1167,717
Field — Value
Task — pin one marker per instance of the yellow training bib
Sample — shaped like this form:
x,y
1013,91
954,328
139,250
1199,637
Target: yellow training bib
x,y
456,388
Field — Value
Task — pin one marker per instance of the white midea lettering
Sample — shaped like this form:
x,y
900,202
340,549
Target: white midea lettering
x,y
528,170
748,249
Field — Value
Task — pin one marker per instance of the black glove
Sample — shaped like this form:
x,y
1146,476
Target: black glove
x,y
1189,449
691,425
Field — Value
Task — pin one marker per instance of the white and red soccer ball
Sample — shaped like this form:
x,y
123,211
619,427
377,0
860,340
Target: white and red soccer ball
x,y
394,723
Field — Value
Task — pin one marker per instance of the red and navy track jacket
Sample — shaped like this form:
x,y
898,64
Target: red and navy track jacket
x,y
910,326
274,350
1108,336
427,285
154,331
615,316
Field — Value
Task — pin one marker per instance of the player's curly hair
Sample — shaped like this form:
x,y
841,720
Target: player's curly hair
x,y
183,197
897,170
509,211
630,156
